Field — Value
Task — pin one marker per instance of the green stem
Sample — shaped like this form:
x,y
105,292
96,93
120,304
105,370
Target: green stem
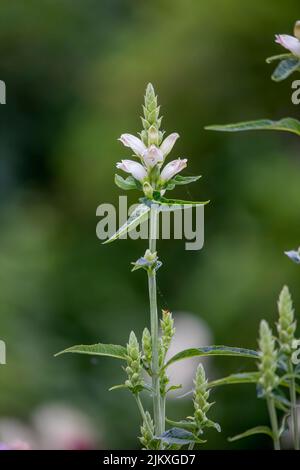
x,y
158,419
274,422
294,413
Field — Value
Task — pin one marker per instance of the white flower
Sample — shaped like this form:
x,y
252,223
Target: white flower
x,y
172,168
152,156
134,143
168,143
289,42
134,168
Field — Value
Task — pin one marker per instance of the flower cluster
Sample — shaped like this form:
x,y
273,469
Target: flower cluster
x,y
134,367
147,433
292,43
286,326
268,358
151,150
201,395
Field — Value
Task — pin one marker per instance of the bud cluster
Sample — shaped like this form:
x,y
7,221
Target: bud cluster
x,y
134,367
268,358
286,325
201,395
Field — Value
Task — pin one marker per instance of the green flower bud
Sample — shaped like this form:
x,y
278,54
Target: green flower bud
x,y
297,29
147,433
201,395
286,325
268,358
167,328
134,367
147,347
151,120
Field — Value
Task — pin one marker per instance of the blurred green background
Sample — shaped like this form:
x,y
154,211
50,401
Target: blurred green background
x,y
75,73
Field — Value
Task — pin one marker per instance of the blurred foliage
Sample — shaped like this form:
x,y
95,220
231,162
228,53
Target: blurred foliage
x,y
75,73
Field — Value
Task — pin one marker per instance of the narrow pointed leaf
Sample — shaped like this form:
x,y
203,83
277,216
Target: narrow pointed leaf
x,y
99,349
242,378
117,387
252,432
285,124
179,436
183,424
285,68
179,180
138,216
212,351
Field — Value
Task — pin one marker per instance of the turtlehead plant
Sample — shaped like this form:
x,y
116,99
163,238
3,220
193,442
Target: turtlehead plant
x,y
146,359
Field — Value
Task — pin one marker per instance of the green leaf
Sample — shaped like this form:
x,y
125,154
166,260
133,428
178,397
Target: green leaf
x,y
183,424
117,387
278,57
213,351
242,378
179,180
285,68
285,124
252,432
128,183
176,202
99,349
179,436
139,215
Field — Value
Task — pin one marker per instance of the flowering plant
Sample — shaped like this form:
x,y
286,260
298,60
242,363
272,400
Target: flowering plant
x,y
146,366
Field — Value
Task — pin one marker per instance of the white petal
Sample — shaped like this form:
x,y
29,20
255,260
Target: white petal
x,y
168,143
289,42
134,168
134,143
172,168
152,156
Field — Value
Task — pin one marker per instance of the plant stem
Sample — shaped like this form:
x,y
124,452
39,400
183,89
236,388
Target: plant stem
x,y
274,422
158,418
294,413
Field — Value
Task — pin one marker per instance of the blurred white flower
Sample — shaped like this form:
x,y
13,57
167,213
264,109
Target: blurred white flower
x,y
134,168
64,428
14,435
289,42
191,332
136,144
168,143
172,168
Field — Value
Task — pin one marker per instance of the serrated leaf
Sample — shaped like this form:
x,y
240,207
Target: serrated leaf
x,y
242,378
213,351
271,59
285,68
138,216
99,349
285,124
126,184
252,432
179,436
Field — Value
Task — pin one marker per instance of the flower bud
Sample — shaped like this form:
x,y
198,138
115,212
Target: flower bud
x,y
286,325
136,145
134,367
153,136
134,168
147,348
268,358
168,143
172,168
147,433
297,29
